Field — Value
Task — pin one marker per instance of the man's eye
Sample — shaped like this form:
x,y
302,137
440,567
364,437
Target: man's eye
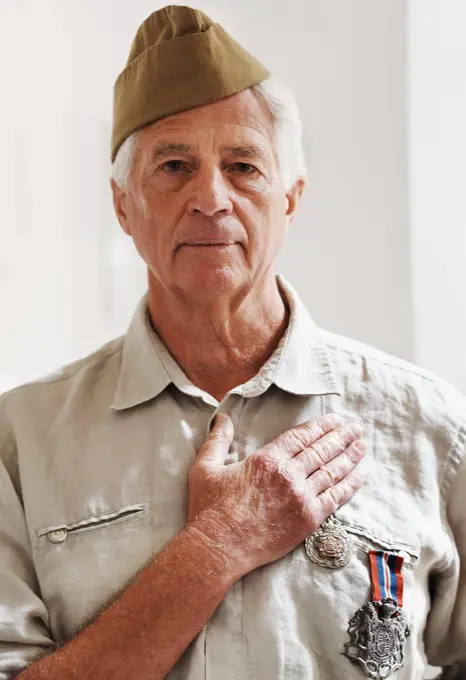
x,y
174,166
244,168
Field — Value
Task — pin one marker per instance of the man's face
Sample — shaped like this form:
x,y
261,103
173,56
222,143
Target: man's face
x,y
205,204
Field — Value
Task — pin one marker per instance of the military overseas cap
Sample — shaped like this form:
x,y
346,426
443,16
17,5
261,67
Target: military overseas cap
x,y
179,60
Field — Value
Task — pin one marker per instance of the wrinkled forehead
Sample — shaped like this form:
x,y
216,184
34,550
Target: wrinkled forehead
x,y
243,119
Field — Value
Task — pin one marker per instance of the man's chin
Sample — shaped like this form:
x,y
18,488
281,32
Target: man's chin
x,y
210,281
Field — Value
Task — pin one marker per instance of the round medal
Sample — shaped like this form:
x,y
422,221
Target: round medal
x,y
329,546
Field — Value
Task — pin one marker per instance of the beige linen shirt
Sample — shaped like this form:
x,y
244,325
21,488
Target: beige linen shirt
x,y
93,484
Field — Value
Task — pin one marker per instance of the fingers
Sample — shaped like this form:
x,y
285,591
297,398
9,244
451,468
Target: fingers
x,y
217,444
327,448
335,496
338,468
293,441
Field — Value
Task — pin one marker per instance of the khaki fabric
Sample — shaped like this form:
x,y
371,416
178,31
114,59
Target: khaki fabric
x,y
179,60
93,484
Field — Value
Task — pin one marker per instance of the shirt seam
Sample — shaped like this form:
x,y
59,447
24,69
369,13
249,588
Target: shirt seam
x,y
383,362
454,459
160,358
60,378
449,470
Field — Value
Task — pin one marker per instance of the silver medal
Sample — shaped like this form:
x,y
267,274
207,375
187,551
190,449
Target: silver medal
x,y
329,546
378,633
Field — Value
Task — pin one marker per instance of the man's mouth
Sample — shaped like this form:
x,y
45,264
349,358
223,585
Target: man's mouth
x,y
210,244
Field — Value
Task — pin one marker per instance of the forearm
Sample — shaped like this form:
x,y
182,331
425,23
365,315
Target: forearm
x,y
144,632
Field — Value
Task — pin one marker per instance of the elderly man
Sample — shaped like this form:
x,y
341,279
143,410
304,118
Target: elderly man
x,y
188,502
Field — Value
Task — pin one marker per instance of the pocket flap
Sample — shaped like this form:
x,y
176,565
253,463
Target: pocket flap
x,y
366,540
128,513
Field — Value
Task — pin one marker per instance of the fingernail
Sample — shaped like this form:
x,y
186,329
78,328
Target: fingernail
x,y
217,420
224,421
360,445
333,419
355,429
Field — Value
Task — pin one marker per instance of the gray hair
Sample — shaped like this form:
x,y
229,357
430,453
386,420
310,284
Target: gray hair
x,y
287,132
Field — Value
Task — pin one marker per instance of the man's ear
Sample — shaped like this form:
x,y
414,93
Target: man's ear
x,y
293,197
119,203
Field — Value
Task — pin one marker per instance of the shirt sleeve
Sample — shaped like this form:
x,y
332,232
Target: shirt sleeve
x,y
24,631
445,634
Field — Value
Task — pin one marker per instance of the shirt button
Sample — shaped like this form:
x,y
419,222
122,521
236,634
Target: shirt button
x,y
406,556
57,536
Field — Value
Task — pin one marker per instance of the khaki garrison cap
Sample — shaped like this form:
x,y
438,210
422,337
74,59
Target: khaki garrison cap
x,y
179,60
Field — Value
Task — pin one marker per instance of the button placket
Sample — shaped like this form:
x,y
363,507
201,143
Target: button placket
x,y
229,616
224,407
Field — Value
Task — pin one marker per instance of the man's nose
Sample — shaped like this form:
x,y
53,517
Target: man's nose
x,y
210,194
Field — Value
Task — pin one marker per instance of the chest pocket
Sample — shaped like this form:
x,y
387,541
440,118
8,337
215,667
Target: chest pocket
x,y
83,565
328,598
364,540
58,533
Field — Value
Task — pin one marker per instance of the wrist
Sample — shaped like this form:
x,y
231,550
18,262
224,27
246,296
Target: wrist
x,y
219,541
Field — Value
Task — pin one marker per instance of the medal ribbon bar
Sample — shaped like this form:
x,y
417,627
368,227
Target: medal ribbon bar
x,y
386,576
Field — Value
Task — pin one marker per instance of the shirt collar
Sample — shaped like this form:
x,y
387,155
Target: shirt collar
x,y
300,364
143,375
304,366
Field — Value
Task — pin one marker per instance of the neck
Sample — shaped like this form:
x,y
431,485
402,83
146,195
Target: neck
x,y
224,342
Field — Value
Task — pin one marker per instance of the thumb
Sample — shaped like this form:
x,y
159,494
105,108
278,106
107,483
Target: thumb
x,y
218,441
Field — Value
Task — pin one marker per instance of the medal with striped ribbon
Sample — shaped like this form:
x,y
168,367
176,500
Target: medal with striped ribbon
x,y
379,629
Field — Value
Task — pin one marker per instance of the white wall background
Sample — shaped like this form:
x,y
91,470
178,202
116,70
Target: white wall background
x,y
377,251
437,152
69,279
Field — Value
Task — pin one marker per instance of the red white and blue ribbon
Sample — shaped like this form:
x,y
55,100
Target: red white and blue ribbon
x,y
386,576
